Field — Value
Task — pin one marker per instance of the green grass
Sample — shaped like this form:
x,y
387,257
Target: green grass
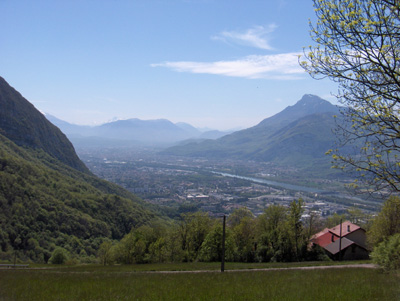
x,y
138,283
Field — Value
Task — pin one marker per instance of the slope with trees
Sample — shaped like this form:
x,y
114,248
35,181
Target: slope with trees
x,y
384,235
45,204
48,198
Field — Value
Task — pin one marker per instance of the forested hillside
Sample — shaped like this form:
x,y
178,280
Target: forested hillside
x,y
45,204
48,198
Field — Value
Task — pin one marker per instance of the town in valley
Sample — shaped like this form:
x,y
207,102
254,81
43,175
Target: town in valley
x,y
183,184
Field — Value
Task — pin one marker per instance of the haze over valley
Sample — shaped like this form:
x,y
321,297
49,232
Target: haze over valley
x,y
174,166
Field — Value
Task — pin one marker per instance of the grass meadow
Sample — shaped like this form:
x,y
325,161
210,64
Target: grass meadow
x,y
158,282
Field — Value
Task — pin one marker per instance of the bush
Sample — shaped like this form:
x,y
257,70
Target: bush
x,y
59,256
387,253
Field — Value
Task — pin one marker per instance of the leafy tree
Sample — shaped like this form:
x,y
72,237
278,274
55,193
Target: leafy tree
x,y
270,227
211,249
193,229
131,248
237,215
387,223
312,224
244,239
105,252
59,256
158,250
387,253
295,227
174,244
358,46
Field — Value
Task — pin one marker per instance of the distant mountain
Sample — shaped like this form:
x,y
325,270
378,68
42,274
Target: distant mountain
x,y
214,134
188,128
147,131
47,196
131,132
69,128
298,135
307,105
26,126
202,134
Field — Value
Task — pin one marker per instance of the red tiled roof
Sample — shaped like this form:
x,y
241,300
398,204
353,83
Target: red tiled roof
x,y
320,233
324,239
347,227
327,236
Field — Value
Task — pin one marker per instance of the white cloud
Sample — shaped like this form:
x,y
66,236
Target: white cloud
x,y
258,37
283,66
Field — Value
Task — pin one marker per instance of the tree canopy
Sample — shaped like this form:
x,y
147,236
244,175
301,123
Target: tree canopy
x,y
358,46
386,223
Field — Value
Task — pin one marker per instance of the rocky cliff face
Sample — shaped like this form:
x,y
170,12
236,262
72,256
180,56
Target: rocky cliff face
x,y
22,123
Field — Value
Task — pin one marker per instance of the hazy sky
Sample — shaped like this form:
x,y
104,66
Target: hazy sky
x,y
212,63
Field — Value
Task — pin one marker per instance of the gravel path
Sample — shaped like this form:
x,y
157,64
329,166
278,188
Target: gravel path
x,y
363,266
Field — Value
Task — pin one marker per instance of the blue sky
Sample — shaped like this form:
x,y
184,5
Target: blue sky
x,y
212,63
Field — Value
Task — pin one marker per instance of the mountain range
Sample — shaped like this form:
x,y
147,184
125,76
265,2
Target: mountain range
x,y
132,132
48,198
297,136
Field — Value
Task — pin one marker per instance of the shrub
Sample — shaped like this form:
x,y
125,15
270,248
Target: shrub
x,y
387,253
59,256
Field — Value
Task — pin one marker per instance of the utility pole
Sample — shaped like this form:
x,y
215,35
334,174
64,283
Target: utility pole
x,y
223,245
340,241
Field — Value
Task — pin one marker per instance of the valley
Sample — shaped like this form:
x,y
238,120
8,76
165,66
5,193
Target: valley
x,y
186,184
55,193
280,159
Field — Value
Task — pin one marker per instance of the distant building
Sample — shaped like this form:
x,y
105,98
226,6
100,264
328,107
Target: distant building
x,y
345,241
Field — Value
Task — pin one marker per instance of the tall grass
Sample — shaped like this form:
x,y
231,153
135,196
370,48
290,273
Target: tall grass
x,y
120,284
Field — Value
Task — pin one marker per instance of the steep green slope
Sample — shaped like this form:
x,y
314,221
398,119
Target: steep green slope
x,y
26,126
44,204
48,197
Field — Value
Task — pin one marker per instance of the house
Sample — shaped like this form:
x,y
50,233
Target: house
x,y
345,241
